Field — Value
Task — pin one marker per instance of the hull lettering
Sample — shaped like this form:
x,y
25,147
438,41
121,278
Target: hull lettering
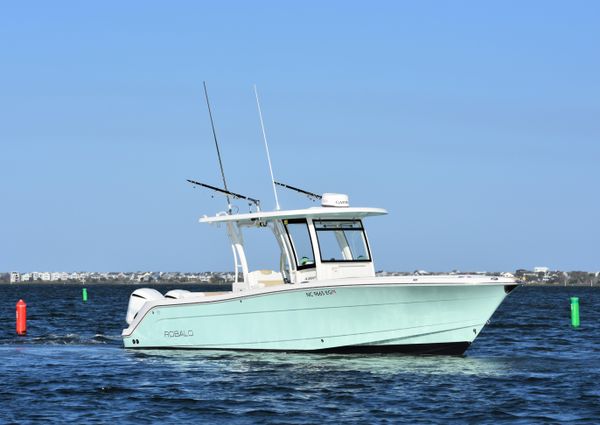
x,y
178,333
321,293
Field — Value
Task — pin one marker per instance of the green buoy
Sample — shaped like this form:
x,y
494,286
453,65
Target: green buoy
x,y
575,312
84,294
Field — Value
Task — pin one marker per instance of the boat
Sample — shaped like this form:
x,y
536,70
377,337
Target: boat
x,y
326,297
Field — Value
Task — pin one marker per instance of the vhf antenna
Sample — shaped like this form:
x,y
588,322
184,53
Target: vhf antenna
x,y
310,195
262,126
217,146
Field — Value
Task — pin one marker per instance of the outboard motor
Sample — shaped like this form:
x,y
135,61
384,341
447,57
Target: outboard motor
x,y
137,300
176,294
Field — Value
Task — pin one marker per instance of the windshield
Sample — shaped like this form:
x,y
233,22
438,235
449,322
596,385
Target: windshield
x,y
342,240
298,233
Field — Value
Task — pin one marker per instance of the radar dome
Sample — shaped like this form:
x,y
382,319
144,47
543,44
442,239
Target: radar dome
x,y
338,200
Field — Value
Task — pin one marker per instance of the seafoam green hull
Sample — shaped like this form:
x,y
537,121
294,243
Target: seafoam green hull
x,y
390,317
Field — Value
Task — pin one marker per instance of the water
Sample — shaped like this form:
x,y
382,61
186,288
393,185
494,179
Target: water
x,y
527,366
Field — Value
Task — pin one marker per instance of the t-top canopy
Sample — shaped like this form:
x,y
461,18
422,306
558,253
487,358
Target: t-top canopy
x,y
315,212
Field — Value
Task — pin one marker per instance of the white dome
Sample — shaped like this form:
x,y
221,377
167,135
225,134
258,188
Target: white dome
x,y
338,200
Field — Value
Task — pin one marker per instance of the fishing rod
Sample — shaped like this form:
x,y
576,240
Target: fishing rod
x,y
228,193
212,124
310,195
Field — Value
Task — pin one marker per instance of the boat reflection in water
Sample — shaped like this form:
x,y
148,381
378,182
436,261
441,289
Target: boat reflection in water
x,y
228,363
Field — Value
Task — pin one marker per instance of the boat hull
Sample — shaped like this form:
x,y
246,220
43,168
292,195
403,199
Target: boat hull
x,y
419,319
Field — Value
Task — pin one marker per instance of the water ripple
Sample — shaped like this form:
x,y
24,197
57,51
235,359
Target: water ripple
x,y
528,366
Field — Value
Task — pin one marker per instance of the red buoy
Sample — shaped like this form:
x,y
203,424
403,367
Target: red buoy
x,y
21,318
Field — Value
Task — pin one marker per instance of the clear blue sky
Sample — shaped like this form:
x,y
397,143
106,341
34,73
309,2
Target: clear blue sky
x,y
476,124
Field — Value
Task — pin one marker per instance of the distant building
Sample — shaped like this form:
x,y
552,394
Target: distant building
x,y
544,270
15,277
146,277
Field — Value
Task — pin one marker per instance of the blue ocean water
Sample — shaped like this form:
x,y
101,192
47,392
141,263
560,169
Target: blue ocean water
x,y
527,366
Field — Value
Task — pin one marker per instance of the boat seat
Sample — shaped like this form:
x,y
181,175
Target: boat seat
x,y
264,278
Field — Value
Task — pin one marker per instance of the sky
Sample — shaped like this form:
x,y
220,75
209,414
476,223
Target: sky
x,y
475,124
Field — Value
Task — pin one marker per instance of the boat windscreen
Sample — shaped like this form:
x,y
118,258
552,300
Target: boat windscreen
x,y
303,251
342,241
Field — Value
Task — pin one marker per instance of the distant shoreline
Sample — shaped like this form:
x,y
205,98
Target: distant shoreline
x,y
43,283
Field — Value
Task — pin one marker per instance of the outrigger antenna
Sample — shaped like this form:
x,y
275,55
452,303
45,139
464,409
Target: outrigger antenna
x,y
312,196
228,193
212,124
262,126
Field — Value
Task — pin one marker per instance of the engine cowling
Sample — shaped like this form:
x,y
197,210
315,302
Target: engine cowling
x,y
177,294
138,298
